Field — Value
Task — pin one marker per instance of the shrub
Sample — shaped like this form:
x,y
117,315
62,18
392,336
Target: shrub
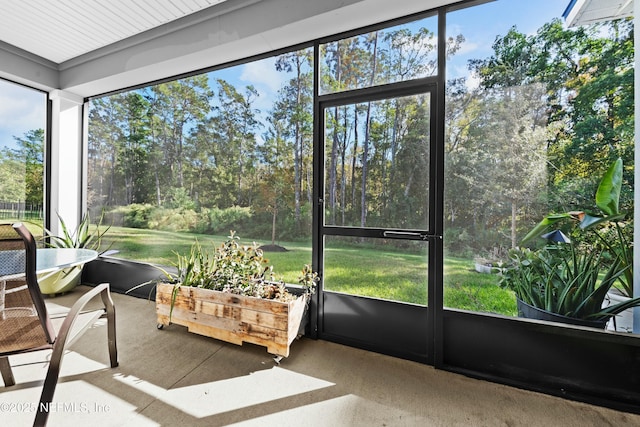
x,y
234,217
178,198
202,225
134,215
173,219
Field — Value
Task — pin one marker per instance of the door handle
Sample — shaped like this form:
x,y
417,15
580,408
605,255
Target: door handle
x,y
411,235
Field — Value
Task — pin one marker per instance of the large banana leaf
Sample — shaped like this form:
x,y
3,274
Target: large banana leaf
x,y
590,221
608,194
543,225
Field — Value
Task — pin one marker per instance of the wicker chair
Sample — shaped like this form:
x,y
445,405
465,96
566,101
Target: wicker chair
x,y
25,324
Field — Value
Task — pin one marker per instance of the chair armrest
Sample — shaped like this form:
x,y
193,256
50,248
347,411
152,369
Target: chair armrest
x,y
63,339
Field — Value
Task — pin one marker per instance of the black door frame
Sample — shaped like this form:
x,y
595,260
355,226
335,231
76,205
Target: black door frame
x,y
414,337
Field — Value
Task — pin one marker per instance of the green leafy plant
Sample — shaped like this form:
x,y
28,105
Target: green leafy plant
x,y
564,280
81,237
571,277
608,227
235,268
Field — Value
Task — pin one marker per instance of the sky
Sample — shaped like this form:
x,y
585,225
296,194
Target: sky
x,y
262,75
23,109
526,15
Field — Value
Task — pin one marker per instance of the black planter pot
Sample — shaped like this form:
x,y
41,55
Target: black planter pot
x,y
530,312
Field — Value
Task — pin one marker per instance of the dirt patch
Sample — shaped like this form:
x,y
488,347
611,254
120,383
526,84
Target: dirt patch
x,y
273,248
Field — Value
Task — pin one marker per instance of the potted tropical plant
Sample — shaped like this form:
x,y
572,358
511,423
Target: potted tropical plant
x,y
231,294
571,276
82,236
564,282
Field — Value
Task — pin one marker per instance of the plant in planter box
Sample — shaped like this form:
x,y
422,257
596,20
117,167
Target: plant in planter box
x,y
572,278
81,237
231,294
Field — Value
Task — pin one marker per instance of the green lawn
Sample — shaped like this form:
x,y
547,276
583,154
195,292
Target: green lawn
x,y
361,270
466,289
380,272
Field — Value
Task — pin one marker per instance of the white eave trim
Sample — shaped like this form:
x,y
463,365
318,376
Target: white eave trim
x,y
583,12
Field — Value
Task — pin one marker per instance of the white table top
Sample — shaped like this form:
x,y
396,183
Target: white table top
x,y
47,260
51,259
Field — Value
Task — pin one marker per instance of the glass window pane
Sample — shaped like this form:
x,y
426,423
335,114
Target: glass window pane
x,y
395,54
377,268
377,163
22,126
200,156
533,120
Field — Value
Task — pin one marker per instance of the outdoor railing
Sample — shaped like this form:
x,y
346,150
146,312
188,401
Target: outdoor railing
x,y
20,210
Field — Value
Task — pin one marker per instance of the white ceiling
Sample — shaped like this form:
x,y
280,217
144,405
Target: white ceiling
x,y
582,12
64,29
86,48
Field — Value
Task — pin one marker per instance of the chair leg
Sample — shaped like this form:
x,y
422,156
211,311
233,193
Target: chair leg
x,y
53,372
7,373
49,388
111,326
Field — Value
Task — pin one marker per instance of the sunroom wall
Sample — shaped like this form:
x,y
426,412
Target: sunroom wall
x,y
79,84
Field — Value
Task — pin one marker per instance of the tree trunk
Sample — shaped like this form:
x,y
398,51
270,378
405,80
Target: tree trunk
x,y
273,224
178,136
354,157
297,163
334,145
365,161
158,195
514,210
333,166
110,201
343,178
367,132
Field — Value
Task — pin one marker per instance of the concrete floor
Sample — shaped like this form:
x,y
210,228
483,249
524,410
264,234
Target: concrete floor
x,y
174,378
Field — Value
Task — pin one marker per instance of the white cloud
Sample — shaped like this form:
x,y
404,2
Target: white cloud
x,y
472,82
263,74
467,48
21,110
266,80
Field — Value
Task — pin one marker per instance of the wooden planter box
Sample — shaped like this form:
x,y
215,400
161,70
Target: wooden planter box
x,y
232,318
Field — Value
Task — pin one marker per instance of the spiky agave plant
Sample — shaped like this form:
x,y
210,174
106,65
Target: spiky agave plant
x,y
81,237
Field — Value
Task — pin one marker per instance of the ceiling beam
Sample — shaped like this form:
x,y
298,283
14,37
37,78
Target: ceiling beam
x,y
259,27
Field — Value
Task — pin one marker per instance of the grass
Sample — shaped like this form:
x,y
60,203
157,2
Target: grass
x,y
374,271
466,289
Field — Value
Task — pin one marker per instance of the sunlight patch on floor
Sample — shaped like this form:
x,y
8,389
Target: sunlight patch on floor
x,y
33,366
346,410
76,403
203,400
